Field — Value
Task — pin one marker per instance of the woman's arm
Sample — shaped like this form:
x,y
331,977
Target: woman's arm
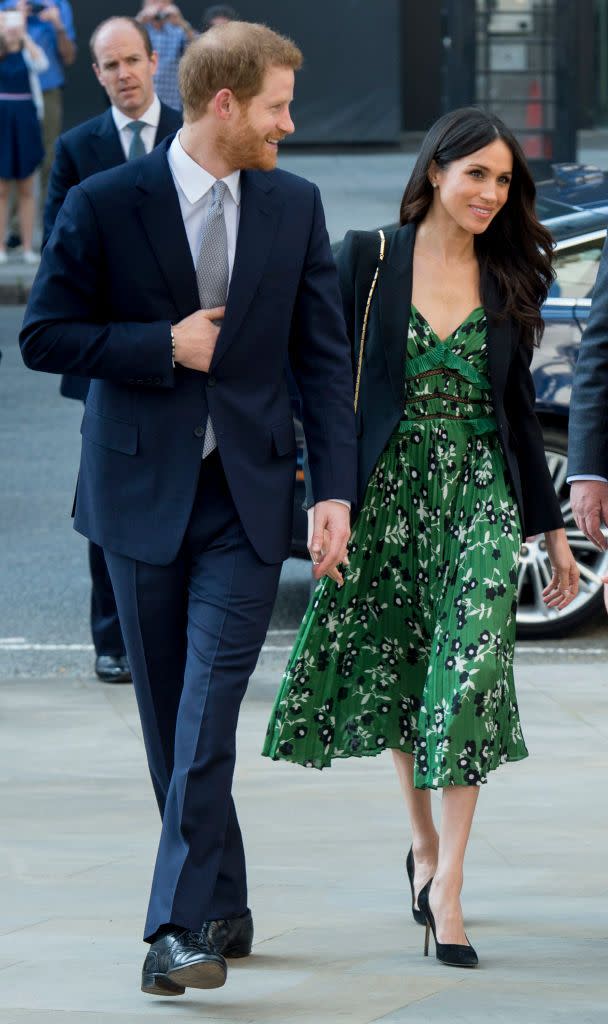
x,y
542,513
541,506
65,42
35,57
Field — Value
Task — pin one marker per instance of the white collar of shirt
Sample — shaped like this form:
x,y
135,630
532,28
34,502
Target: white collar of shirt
x,y
193,185
151,116
194,180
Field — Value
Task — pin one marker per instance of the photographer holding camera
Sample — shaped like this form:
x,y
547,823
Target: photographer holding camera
x,y
170,33
21,149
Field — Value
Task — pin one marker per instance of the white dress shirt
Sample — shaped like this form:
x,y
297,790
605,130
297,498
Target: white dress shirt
x,y
150,117
194,184
590,476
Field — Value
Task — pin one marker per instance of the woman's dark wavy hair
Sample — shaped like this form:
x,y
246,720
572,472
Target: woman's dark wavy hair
x,y
515,248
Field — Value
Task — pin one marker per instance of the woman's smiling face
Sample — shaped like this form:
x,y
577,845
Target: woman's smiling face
x,y
473,189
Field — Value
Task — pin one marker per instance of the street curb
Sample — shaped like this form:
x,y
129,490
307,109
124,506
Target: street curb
x,y
14,293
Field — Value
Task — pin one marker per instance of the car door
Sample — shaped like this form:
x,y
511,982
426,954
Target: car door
x,y
565,314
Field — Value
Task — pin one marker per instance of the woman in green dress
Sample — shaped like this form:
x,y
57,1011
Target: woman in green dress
x,y
411,648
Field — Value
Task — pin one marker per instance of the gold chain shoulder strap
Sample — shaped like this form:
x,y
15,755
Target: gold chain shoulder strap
x,y
365,317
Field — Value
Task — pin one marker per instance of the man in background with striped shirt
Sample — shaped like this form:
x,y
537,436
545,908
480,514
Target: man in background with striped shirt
x,y
170,34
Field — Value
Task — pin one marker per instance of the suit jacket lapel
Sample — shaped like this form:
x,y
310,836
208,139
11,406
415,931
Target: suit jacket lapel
x,y
166,125
259,217
499,341
394,301
161,216
106,144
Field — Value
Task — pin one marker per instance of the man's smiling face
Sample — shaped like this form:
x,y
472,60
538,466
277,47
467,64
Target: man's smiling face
x,y
251,139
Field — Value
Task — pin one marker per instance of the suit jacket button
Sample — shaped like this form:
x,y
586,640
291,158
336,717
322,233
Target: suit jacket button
x,y
211,382
199,431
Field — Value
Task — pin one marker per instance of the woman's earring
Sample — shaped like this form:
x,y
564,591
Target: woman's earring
x,y
434,184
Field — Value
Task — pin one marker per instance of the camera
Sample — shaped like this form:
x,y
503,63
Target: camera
x,y
12,19
37,8
161,15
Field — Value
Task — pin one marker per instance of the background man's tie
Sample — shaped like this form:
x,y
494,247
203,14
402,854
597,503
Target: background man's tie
x,y
137,148
212,273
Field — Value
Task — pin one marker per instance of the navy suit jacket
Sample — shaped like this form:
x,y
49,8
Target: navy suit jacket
x,y
116,272
588,422
80,152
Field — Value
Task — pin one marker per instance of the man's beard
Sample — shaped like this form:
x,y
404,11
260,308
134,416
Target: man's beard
x,y
244,149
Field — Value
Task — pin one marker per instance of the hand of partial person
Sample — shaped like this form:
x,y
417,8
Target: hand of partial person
x,y
589,500
330,533
173,14
195,338
51,14
563,587
147,13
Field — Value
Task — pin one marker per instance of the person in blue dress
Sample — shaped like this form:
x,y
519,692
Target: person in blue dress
x,y
21,149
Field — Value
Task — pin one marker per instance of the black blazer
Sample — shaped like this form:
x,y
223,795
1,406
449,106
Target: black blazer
x,y
383,377
80,152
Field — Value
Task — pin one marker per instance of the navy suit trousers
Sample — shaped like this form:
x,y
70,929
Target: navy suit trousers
x,y
105,627
193,632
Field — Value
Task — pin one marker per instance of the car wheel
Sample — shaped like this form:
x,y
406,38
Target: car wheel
x,y
534,619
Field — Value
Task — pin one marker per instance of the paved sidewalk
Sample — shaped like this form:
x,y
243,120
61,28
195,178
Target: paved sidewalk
x,y
335,941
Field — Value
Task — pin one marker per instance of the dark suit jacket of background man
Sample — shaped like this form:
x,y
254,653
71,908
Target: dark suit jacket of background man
x,y
80,152
588,421
116,272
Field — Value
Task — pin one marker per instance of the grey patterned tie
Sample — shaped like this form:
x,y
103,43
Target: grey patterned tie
x,y
212,273
137,148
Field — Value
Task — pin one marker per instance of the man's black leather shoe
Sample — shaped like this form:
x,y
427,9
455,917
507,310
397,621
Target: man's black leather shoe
x,y
112,669
181,960
232,936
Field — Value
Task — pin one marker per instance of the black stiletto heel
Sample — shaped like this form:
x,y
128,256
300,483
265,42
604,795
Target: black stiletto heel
x,y
418,916
453,954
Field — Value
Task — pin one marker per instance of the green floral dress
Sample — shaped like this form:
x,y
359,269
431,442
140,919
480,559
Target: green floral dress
x,y
415,651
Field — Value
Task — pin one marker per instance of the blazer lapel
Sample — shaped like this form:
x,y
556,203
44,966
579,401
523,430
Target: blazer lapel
x,y
394,301
161,216
166,125
499,342
105,143
259,218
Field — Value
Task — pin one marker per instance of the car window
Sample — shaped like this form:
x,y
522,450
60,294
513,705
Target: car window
x,y
546,207
576,269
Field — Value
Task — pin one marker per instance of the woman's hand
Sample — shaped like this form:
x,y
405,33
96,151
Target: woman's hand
x,y
563,587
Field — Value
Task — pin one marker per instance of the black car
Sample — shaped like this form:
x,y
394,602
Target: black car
x,y
574,206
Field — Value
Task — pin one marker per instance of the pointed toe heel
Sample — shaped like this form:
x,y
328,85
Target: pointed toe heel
x,y
451,954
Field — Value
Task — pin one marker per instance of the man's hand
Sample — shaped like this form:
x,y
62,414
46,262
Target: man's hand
x,y
589,500
330,533
195,338
53,15
148,13
174,15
